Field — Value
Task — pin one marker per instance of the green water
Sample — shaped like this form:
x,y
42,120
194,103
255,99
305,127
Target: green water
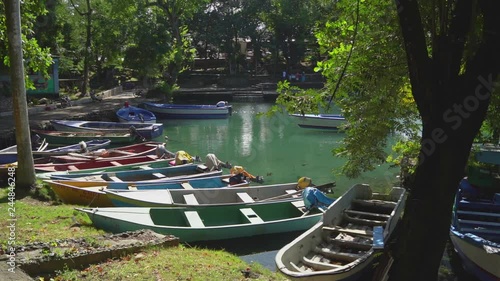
x,y
275,148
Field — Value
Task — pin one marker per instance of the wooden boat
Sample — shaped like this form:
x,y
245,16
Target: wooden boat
x,y
44,171
93,193
8,156
132,114
206,223
192,195
59,137
189,111
475,227
143,130
145,174
320,121
342,246
117,153
91,145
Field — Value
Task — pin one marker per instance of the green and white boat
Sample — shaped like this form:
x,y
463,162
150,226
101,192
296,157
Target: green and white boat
x,y
207,223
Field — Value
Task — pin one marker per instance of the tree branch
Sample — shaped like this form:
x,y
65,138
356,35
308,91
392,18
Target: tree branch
x,y
416,53
460,26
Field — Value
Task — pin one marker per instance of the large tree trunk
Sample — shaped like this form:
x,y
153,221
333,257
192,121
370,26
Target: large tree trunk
x,y
25,174
452,104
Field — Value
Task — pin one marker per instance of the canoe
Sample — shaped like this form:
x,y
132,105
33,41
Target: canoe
x,y
475,226
145,174
132,114
344,245
44,171
320,121
93,193
117,153
206,223
189,111
187,197
74,148
143,130
8,155
59,137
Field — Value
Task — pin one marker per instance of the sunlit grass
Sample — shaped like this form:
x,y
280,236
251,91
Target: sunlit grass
x,y
176,263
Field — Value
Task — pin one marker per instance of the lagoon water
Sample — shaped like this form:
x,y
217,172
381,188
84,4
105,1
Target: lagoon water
x,y
275,148
272,147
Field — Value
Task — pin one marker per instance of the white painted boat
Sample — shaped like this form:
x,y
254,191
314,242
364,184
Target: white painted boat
x,y
190,111
319,121
343,245
200,197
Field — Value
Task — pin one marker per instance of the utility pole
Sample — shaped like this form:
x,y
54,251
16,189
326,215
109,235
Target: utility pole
x,y
24,175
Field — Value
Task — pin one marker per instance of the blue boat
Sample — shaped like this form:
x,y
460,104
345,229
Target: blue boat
x,y
475,227
143,130
220,110
132,114
144,174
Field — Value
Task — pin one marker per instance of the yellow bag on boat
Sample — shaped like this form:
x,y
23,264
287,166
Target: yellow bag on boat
x,y
182,157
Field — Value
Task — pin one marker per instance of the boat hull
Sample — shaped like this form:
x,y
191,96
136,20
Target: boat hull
x,y
321,121
58,137
87,193
475,259
216,223
203,195
349,251
172,111
146,131
132,114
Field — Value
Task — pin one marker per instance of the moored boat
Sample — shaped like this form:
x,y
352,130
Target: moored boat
x,y
93,193
122,152
320,121
59,137
206,223
44,171
133,114
475,227
143,130
8,155
189,111
343,245
145,174
206,196
90,145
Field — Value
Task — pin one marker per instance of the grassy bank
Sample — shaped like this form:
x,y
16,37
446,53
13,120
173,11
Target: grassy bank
x,y
45,221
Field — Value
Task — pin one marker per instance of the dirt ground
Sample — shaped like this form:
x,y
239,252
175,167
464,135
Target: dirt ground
x,y
39,117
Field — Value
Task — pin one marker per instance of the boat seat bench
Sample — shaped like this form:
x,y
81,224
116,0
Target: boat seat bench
x,y
190,199
73,168
354,232
159,175
474,213
244,197
482,223
337,255
194,219
115,179
368,214
114,163
251,215
186,185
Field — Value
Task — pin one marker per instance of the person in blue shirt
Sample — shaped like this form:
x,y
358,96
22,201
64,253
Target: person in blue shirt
x,y
313,197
